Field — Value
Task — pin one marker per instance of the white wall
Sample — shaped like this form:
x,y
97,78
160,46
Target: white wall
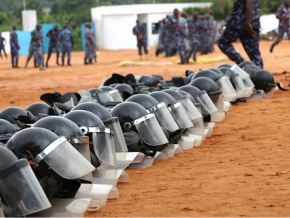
x,y
118,32
29,20
6,35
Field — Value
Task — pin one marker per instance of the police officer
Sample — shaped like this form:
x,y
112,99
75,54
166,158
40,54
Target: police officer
x,y
243,23
66,37
213,31
161,40
174,35
139,31
185,42
90,44
14,47
53,36
36,47
207,28
283,14
195,25
2,46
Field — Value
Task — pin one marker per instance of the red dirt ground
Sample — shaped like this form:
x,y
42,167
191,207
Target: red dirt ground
x,y
243,170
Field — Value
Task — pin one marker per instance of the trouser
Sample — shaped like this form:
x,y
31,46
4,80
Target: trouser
x,y
250,44
14,57
37,52
89,51
50,50
186,48
3,52
281,32
66,50
142,43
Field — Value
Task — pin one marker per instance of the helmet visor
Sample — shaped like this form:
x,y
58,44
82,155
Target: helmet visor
x,y
239,86
269,92
115,94
229,93
104,97
180,116
206,102
150,131
86,97
104,147
120,143
82,144
1,209
65,160
190,109
21,189
164,117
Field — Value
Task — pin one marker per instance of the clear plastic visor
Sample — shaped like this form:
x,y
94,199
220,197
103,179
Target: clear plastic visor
x,y
21,189
86,97
248,82
227,88
150,131
104,97
190,109
180,116
115,94
120,143
239,86
218,101
164,117
206,102
65,160
269,92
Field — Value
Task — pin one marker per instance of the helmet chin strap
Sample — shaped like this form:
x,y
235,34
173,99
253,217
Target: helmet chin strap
x,y
281,88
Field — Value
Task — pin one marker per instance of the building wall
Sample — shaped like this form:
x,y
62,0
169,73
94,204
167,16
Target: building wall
x,y
6,36
29,20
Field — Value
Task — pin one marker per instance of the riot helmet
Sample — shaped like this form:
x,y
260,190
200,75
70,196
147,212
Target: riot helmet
x,y
125,90
64,127
101,140
11,114
264,80
148,80
101,96
7,130
109,122
40,109
246,80
19,186
160,110
40,145
115,94
135,119
176,109
225,66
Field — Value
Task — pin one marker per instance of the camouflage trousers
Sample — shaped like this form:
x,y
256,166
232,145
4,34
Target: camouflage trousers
x,y
250,44
37,52
281,32
89,51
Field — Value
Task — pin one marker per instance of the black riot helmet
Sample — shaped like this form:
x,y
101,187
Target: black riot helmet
x,y
19,187
225,66
134,117
264,80
160,110
64,127
108,120
114,93
7,130
125,90
40,108
70,99
101,96
101,140
176,109
40,145
207,73
12,113
148,80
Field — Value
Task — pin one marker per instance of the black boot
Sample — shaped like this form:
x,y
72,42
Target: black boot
x,y
46,65
194,57
272,48
90,61
68,62
62,62
86,61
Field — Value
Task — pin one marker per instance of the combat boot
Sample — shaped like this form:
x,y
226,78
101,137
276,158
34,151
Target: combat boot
x,y
86,63
68,62
272,48
90,61
62,62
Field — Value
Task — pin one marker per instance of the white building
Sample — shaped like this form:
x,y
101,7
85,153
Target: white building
x,y
114,24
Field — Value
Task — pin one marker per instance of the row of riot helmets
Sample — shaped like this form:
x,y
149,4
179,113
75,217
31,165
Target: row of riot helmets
x,y
49,149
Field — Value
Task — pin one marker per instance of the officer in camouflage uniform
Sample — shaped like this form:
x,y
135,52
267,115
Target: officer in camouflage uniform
x,y
36,47
184,40
139,32
243,23
161,40
194,26
53,36
283,14
66,37
90,44
14,47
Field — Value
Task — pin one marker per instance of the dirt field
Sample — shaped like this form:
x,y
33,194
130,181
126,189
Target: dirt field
x,y
243,170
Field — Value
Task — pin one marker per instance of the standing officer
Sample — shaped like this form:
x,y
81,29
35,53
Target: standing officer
x,y
139,31
90,44
243,23
185,42
14,47
174,35
36,47
161,40
53,36
194,26
66,37
2,46
283,14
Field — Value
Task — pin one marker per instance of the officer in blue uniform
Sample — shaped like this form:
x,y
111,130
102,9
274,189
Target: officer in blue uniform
x,y
243,23
66,38
185,40
283,14
53,36
2,46
161,40
195,30
89,45
36,47
14,47
139,31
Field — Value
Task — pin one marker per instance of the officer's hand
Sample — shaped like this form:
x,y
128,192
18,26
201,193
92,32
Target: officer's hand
x,y
187,37
250,30
179,27
18,47
191,28
140,37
